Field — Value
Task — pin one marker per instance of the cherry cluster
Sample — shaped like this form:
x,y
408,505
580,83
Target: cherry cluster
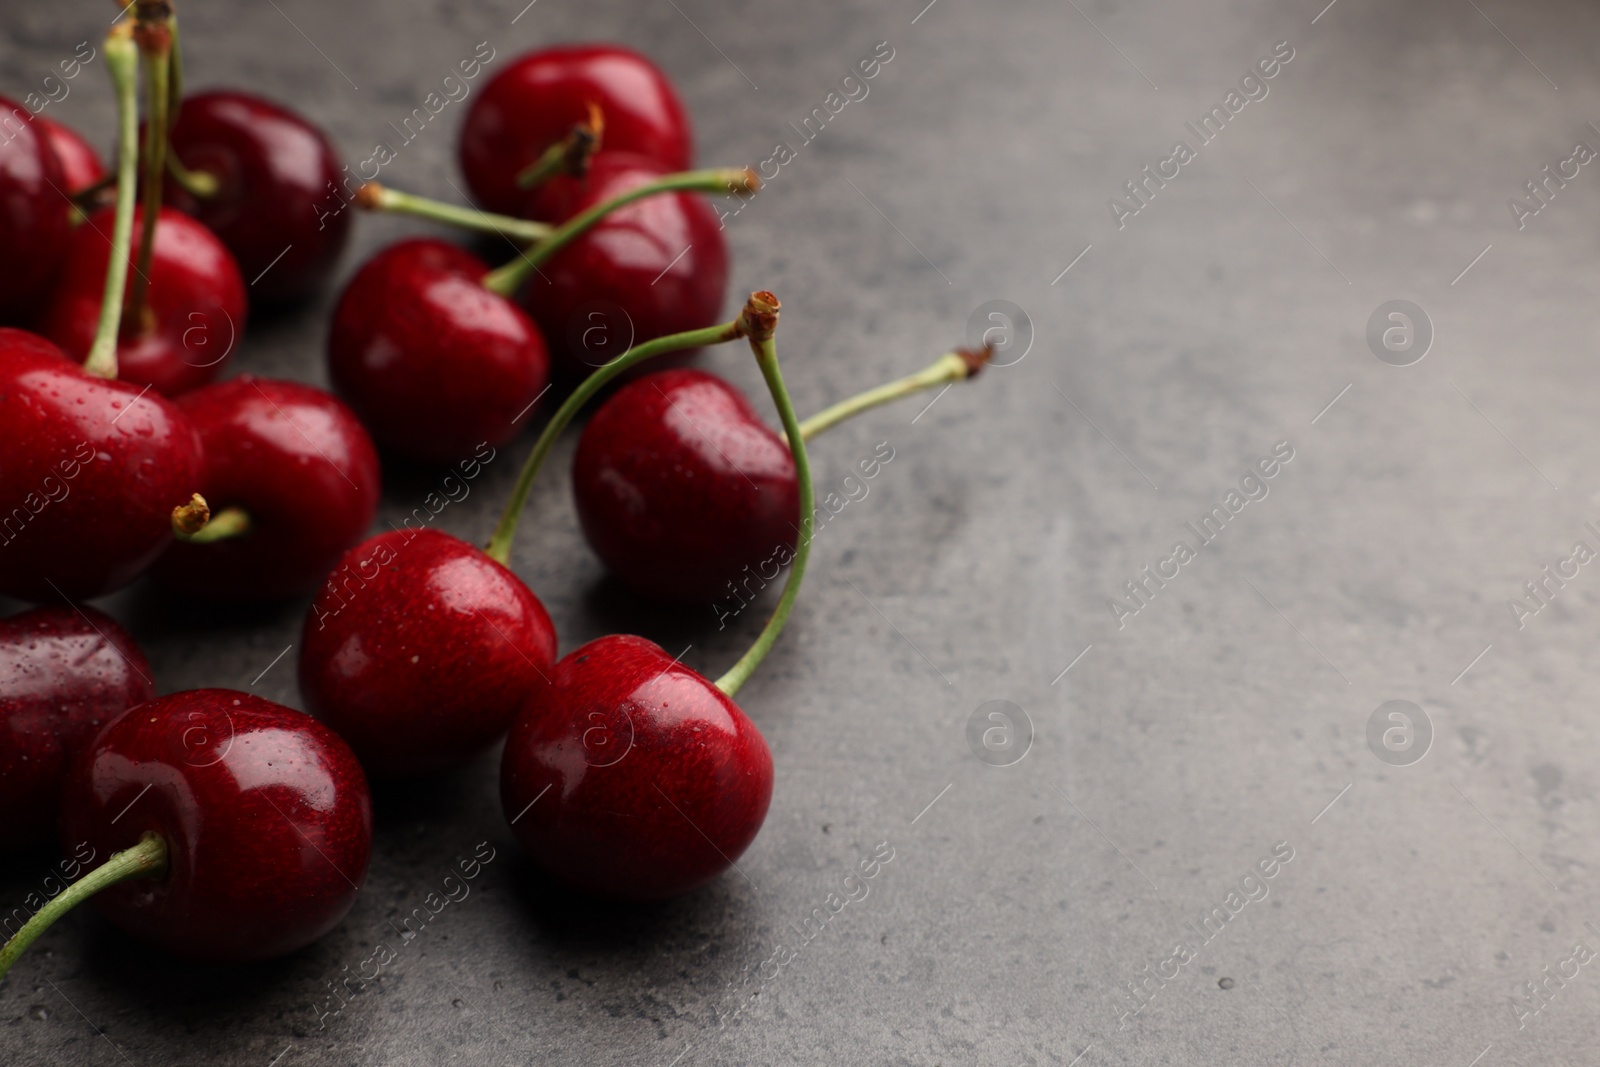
x,y
625,773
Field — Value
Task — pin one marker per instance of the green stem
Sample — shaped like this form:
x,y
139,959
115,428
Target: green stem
x,y
570,155
739,673
200,184
375,197
157,54
147,859
499,547
122,62
507,280
948,368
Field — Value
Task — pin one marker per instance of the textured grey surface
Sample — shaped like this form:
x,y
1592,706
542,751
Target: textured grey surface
x,y
1182,747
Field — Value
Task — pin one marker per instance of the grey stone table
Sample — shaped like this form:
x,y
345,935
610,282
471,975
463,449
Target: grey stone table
x,y
1084,880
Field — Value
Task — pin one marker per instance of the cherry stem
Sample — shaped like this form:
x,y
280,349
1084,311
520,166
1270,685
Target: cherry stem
x,y
195,523
507,280
767,359
155,44
951,367
499,547
122,60
375,197
147,859
570,155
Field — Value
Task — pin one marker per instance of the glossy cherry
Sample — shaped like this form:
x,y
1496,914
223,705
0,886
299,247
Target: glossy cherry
x,y
419,650
277,190
64,673
265,815
92,472
302,469
631,775
680,487
536,100
655,267
34,213
195,308
434,363
80,163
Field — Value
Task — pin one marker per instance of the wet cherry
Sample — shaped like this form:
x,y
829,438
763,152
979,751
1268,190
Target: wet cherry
x,y
34,214
535,102
276,203
295,468
419,649
64,673
194,313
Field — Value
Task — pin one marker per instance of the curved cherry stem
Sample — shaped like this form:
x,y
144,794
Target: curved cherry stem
x,y
499,547
122,62
767,360
147,859
375,197
570,155
507,280
195,522
154,36
959,365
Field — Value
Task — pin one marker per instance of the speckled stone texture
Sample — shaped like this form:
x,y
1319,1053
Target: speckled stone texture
x,y
1218,733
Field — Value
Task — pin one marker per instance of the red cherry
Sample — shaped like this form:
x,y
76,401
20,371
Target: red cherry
x,y
34,214
433,362
662,261
420,649
303,470
64,673
535,102
195,308
92,472
278,175
630,775
680,486
265,813
80,163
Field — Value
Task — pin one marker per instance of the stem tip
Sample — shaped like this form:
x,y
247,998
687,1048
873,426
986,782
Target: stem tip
x,y
759,319
189,519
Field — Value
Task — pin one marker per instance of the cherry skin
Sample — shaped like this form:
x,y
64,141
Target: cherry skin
x,y
300,465
536,101
265,812
64,673
278,175
194,312
420,649
91,474
661,260
680,487
434,363
34,214
659,781
80,163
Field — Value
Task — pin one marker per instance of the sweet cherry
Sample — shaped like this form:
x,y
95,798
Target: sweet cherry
x,y
194,312
267,176
34,213
64,673
293,480
419,649
80,163
535,102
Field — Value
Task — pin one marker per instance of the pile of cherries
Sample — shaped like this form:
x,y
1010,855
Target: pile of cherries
x,y
125,293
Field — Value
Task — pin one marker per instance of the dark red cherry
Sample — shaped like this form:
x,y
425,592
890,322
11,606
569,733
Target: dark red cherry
x,y
80,163
265,813
91,473
277,176
629,775
303,469
64,673
537,100
433,362
656,267
34,213
680,487
194,311
420,649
